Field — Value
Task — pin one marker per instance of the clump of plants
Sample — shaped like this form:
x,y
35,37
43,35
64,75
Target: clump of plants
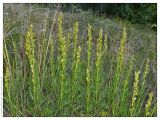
x,y
66,78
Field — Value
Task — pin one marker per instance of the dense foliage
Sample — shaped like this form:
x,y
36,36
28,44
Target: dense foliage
x,y
144,13
76,64
136,13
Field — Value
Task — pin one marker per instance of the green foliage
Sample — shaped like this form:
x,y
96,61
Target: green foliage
x,y
134,12
72,75
138,13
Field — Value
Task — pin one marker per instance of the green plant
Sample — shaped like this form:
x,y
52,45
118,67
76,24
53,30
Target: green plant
x,y
62,61
76,62
70,74
135,93
98,63
119,68
88,74
148,104
30,52
29,49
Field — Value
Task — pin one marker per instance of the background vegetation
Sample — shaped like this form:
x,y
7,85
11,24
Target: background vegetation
x,y
134,12
67,60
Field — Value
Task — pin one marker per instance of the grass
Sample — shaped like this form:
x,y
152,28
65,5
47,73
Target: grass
x,y
64,71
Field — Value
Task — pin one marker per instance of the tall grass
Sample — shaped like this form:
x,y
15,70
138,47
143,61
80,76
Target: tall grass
x,y
63,76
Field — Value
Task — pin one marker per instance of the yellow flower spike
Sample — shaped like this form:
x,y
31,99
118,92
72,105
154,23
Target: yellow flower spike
x,y
98,66
30,52
148,104
119,68
78,58
62,58
99,48
89,42
29,47
88,76
145,72
6,78
75,31
135,92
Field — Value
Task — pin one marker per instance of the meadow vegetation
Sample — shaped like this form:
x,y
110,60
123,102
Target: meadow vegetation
x,y
76,64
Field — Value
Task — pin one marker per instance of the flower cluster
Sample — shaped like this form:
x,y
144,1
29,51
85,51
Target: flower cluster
x,y
88,74
148,104
98,65
29,47
6,78
62,58
135,92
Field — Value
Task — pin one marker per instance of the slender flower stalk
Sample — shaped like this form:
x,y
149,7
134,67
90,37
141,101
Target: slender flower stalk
x,y
75,36
98,66
142,88
135,93
78,60
74,65
62,59
148,104
116,77
7,79
145,73
120,59
75,77
30,52
88,74
8,67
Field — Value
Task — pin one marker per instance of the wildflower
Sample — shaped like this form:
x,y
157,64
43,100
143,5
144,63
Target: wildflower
x,y
119,68
99,49
98,65
145,72
89,42
148,104
78,58
88,69
75,31
29,47
135,92
7,78
62,58
29,50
